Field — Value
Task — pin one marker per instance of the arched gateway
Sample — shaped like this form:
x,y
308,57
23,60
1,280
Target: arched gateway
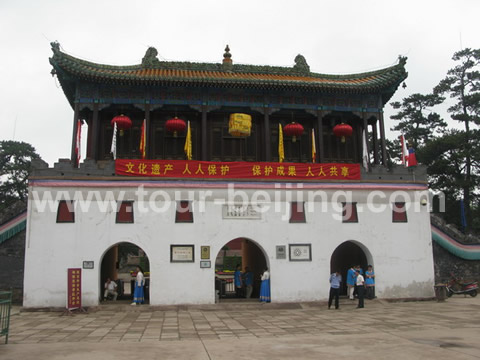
x,y
119,263
246,253
348,254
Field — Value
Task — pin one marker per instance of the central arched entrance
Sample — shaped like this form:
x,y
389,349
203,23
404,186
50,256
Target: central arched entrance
x,y
119,263
246,253
348,254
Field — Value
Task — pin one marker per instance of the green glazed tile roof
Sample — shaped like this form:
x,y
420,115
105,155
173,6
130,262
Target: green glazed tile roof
x,y
155,72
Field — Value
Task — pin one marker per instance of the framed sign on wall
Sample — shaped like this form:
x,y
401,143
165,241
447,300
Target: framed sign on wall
x,y
205,252
182,253
300,252
281,251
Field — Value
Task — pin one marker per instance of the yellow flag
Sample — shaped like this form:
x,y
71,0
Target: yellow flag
x,y
281,151
143,138
188,143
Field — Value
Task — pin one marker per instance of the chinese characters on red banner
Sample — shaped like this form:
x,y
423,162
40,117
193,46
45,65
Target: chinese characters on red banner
x,y
237,170
74,291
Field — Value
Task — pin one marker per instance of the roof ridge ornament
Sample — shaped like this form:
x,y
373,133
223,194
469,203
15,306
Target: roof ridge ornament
x,y
55,46
402,60
227,63
150,59
301,64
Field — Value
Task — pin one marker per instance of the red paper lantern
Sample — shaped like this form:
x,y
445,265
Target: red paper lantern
x,y
175,125
123,123
293,129
342,131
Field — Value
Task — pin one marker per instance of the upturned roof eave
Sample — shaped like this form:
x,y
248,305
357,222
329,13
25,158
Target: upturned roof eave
x,y
70,70
215,73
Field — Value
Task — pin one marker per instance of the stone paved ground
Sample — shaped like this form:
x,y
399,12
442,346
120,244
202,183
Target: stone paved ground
x,y
385,330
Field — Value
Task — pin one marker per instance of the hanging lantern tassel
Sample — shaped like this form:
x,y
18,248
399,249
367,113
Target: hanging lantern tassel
x,y
175,125
343,131
123,123
293,129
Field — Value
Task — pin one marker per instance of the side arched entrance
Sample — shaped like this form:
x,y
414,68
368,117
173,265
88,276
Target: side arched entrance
x,y
348,254
246,253
119,263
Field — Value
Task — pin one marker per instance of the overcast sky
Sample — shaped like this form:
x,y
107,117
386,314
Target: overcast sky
x,y
336,37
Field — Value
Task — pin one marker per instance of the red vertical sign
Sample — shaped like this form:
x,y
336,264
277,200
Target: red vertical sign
x,y
74,289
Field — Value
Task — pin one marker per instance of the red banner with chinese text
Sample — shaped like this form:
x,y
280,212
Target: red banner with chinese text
x,y
237,170
74,289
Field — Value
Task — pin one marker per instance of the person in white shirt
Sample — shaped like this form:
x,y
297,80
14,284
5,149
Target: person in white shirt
x,y
138,295
360,288
265,287
110,289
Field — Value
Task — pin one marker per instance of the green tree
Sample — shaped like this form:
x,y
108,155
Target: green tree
x,y
446,158
15,161
462,84
417,122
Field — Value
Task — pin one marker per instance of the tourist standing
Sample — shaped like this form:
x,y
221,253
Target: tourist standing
x,y
370,282
350,282
237,279
335,281
360,282
265,287
138,295
248,279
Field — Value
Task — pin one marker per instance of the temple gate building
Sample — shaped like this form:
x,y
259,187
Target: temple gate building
x,y
198,162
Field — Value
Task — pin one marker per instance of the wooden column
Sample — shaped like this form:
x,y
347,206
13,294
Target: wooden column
x,y
204,133
321,155
382,138
95,130
148,149
73,156
89,139
266,130
365,128
375,143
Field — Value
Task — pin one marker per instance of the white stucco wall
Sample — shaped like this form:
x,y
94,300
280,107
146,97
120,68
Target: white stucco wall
x,y
400,252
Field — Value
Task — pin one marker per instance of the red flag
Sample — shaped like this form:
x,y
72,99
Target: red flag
x,y
143,137
412,159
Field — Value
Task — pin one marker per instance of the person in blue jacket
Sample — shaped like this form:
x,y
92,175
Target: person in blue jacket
x,y
370,282
237,279
351,277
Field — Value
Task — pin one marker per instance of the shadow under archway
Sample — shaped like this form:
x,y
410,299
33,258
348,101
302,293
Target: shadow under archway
x,y
346,255
119,263
243,252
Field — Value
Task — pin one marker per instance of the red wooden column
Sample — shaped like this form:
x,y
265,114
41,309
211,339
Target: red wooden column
x,y
73,156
